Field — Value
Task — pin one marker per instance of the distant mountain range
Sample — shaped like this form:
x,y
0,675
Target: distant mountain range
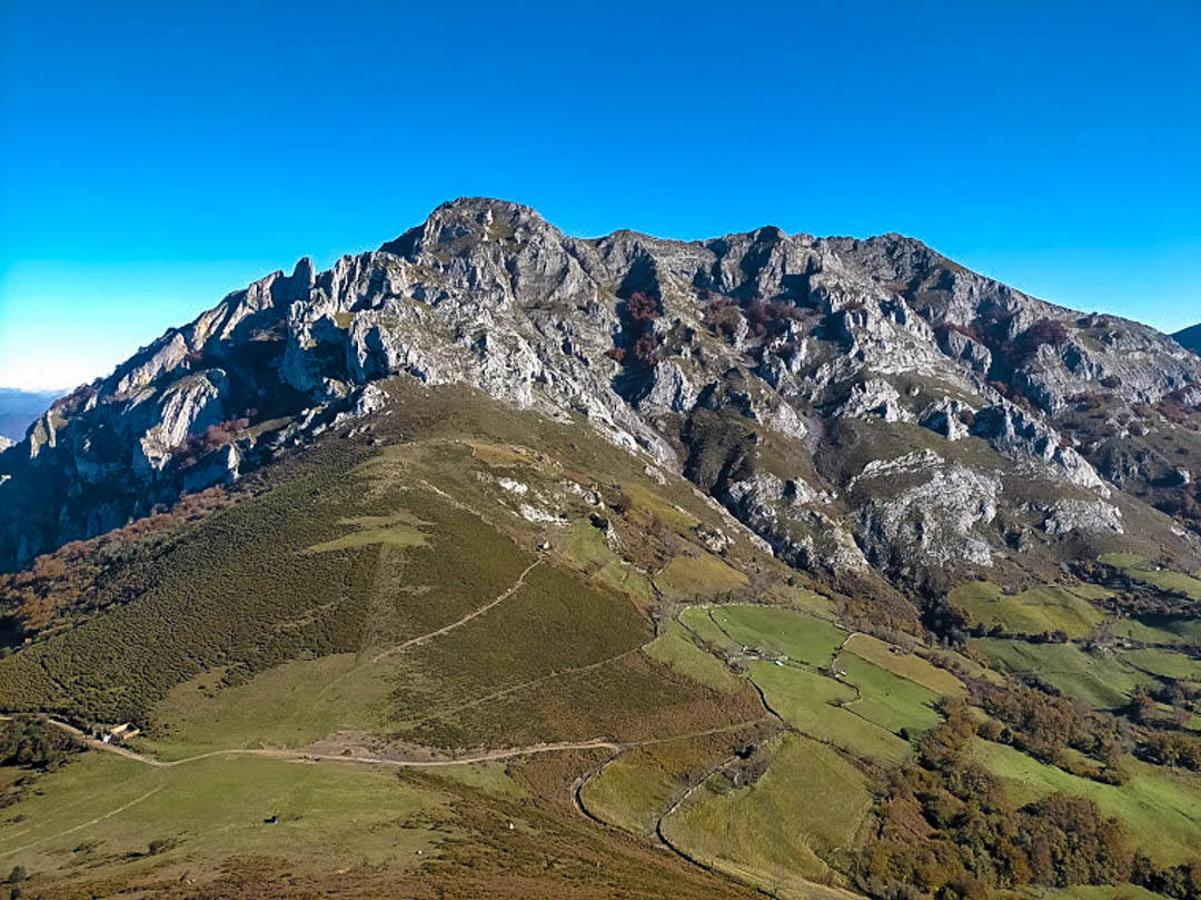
x,y
19,408
1190,337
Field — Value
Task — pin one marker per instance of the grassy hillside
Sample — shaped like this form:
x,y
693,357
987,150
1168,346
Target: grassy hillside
x,y
472,652
389,600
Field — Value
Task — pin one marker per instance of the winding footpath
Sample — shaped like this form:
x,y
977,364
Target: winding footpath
x,y
475,613
614,747
445,629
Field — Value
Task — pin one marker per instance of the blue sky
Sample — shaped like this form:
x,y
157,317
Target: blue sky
x,y
154,156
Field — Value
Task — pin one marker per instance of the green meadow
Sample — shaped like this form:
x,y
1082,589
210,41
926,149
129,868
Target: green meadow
x,y
780,632
1102,681
776,831
1037,610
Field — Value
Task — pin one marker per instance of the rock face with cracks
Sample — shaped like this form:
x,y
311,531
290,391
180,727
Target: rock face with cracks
x,y
733,360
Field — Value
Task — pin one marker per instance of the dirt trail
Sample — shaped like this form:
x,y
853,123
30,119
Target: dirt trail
x,y
303,755
475,613
489,756
504,692
445,629
90,822
308,756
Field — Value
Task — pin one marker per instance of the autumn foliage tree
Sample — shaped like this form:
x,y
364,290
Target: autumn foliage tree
x,y
724,318
1043,333
1047,727
639,348
946,828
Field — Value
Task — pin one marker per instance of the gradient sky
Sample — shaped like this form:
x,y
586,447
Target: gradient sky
x,y
154,156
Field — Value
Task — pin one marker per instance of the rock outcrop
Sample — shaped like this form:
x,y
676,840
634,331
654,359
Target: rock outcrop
x,y
1091,516
933,522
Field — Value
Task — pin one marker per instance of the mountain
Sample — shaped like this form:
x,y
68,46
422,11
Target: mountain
x,y
499,562
1190,338
19,408
742,361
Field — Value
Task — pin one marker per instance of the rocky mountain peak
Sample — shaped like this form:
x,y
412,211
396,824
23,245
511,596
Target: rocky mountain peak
x,y
467,222
773,370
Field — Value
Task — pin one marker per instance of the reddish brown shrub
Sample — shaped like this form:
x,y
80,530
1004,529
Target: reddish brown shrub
x,y
723,317
642,307
1044,332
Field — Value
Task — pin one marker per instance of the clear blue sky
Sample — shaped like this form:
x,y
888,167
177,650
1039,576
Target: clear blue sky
x,y
154,156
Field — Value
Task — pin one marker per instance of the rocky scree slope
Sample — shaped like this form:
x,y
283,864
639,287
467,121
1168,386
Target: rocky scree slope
x,y
855,403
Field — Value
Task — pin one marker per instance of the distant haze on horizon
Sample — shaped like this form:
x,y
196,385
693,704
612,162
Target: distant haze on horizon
x,y
154,159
